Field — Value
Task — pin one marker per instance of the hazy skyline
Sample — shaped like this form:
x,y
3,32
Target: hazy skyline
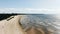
x,y
30,6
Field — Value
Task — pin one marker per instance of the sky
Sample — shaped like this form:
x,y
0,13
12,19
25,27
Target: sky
x,y
30,6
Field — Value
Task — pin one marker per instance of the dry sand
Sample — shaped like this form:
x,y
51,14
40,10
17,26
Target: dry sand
x,y
11,27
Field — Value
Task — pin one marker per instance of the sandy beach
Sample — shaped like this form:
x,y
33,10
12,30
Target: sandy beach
x,y
11,27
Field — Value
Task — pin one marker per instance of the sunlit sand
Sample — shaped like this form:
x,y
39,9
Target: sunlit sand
x,y
11,27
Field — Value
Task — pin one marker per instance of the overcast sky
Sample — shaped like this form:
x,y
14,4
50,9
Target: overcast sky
x,y
30,6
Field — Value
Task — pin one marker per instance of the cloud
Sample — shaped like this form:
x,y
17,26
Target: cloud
x,y
29,10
